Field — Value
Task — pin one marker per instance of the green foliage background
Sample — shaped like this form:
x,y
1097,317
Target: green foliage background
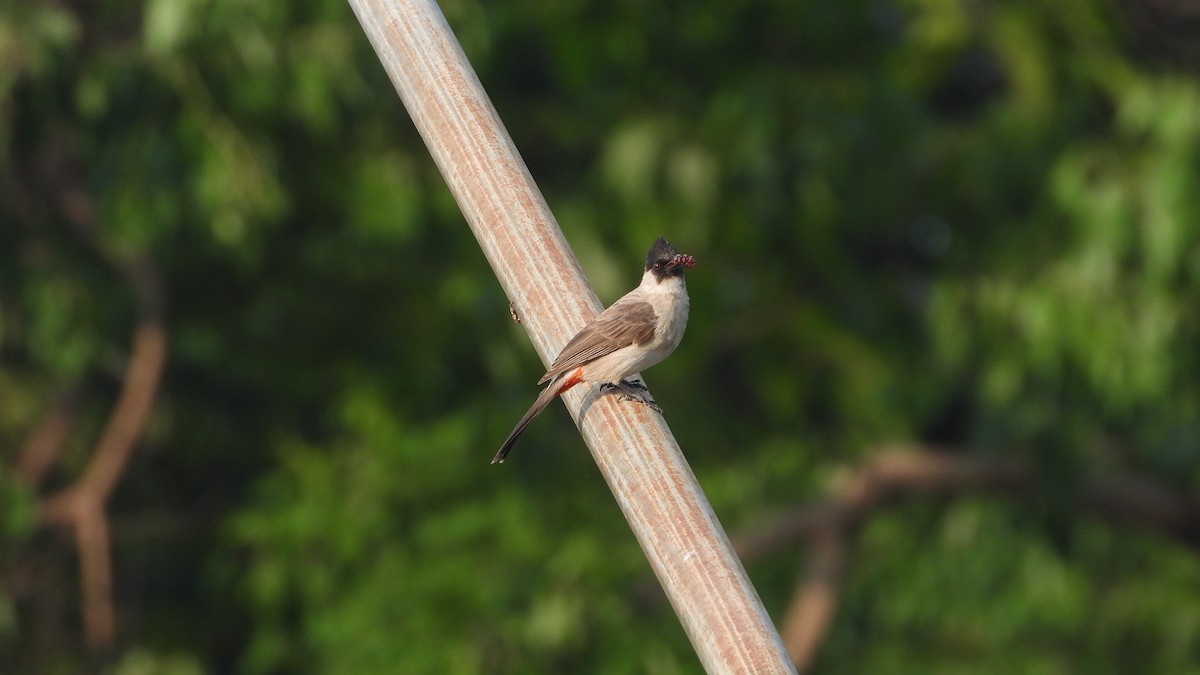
x,y
965,223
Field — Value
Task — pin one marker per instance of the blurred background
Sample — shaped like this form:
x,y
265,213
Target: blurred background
x,y
941,379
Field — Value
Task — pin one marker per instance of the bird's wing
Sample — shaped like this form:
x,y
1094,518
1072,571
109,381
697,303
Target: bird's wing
x,y
627,322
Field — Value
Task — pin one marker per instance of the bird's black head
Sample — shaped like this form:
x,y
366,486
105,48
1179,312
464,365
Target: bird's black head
x,y
665,261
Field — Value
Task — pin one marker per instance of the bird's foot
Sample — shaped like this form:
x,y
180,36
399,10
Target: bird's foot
x,y
624,385
649,403
636,385
633,391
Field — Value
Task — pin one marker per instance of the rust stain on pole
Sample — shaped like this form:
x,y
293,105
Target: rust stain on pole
x,y
639,458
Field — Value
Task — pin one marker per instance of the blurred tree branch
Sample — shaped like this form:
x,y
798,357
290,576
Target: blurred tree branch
x,y
815,598
899,472
80,507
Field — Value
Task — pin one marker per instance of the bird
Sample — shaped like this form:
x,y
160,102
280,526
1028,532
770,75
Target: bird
x,y
634,333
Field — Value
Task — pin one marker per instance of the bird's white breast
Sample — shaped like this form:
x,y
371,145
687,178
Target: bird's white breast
x,y
669,299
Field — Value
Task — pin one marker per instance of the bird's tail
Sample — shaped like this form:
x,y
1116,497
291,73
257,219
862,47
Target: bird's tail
x,y
554,389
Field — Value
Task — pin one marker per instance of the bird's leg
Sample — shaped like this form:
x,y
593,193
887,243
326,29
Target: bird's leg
x,y
633,391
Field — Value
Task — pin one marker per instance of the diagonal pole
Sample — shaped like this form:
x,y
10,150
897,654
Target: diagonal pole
x,y
639,458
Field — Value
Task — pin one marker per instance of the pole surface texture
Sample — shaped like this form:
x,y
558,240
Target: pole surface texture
x,y
639,458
